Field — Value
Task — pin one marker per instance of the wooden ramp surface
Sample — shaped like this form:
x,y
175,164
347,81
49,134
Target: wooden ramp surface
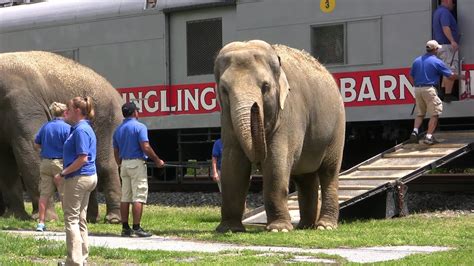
x,y
402,163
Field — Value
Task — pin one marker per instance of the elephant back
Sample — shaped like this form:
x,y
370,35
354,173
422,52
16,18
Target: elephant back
x,y
50,77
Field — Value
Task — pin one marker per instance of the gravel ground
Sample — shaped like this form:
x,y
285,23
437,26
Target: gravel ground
x,y
439,204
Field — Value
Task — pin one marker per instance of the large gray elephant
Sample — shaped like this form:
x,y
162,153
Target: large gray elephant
x,y
29,83
282,110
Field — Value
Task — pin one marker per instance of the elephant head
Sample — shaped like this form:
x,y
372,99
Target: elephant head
x,y
252,88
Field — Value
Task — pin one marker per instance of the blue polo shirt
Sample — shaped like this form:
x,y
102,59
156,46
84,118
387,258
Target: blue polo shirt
x,y
81,141
217,152
443,17
51,137
127,139
428,69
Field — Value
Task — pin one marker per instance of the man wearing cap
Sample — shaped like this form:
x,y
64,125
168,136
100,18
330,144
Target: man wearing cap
x,y
445,32
425,73
131,148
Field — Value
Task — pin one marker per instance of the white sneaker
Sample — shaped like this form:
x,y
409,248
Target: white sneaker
x,y
41,227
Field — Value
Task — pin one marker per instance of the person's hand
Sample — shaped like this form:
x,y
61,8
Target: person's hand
x,y
215,177
455,46
57,179
160,164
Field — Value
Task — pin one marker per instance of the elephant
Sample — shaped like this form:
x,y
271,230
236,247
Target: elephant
x,y
282,111
29,83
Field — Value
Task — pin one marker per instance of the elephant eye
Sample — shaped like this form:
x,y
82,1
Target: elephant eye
x,y
265,87
223,89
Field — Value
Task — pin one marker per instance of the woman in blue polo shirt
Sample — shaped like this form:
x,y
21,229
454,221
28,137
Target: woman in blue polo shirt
x,y
80,177
50,139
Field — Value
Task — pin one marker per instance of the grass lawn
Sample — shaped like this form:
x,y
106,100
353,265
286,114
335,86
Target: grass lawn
x,y
198,223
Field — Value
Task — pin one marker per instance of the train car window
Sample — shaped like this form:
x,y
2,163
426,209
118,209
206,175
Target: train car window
x,y
328,44
203,41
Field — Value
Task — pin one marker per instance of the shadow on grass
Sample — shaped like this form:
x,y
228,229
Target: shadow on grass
x,y
200,232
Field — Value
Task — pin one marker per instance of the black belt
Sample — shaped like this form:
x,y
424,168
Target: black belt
x,y
425,85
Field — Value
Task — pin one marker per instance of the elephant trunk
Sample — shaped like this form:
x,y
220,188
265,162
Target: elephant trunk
x,y
258,133
247,121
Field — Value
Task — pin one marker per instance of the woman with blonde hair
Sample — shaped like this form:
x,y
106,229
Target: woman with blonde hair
x,y
80,177
50,139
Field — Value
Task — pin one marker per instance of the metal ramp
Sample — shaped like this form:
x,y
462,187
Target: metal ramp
x,y
376,187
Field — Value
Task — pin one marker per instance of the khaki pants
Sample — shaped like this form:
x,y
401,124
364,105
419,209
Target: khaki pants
x,y
48,169
76,197
134,181
449,57
427,101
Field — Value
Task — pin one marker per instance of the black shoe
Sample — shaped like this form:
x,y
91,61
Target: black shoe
x,y
142,233
430,141
449,98
127,232
414,137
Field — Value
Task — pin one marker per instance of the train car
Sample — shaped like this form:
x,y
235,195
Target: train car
x,y
160,55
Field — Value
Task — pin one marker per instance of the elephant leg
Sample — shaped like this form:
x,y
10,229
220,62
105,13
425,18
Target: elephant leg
x,y
235,176
328,176
308,199
12,189
109,180
276,176
2,204
27,160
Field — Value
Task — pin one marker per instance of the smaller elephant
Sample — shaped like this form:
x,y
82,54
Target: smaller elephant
x,y
280,109
29,83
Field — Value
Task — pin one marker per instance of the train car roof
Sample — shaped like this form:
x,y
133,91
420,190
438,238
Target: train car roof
x,y
56,12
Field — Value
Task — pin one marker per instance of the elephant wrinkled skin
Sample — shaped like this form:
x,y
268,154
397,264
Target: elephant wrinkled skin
x,y
29,83
282,110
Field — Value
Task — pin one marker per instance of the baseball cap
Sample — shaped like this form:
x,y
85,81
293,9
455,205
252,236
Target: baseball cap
x,y
128,108
432,44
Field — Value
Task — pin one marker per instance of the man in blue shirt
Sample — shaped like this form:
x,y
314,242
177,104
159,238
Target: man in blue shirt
x,y
445,32
131,148
424,75
216,162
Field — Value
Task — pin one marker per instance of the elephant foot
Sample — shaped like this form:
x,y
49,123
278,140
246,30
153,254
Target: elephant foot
x,y
305,225
113,218
21,215
51,215
93,219
326,225
279,226
225,227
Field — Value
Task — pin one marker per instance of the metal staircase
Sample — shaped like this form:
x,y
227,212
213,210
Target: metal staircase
x,y
376,187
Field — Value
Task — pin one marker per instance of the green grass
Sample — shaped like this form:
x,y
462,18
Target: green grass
x,y
199,224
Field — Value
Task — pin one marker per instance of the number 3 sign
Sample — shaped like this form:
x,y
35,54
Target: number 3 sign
x,y
327,6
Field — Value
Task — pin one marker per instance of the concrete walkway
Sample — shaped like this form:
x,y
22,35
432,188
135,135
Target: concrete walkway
x,y
360,255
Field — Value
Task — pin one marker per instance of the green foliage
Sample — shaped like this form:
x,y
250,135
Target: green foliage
x,y
199,223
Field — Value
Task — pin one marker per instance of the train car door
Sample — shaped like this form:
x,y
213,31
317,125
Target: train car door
x,y
466,51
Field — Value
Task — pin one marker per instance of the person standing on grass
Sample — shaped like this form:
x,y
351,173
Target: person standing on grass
x,y
131,148
50,140
80,177
216,162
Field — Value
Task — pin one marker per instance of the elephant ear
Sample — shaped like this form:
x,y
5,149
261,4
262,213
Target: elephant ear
x,y
284,88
